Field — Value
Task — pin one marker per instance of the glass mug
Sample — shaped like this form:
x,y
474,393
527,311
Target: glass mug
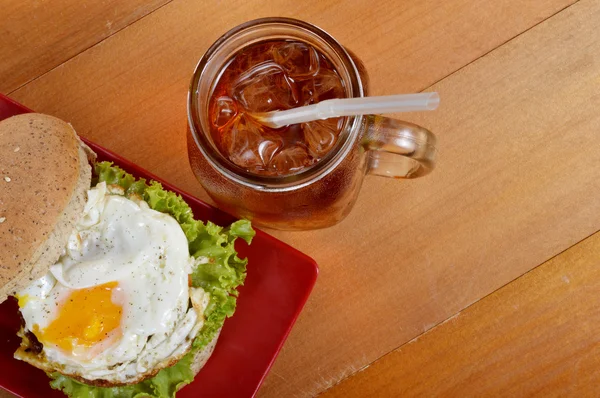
x,y
320,195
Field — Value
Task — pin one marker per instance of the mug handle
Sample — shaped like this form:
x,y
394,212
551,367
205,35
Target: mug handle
x,y
398,149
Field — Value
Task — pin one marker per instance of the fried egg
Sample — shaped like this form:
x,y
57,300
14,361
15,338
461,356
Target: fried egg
x,y
116,305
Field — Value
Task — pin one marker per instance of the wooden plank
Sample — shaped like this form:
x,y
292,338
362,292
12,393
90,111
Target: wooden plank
x,y
517,183
140,77
538,336
36,36
390,272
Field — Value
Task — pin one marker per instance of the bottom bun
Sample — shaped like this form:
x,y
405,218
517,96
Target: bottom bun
x,y
202,356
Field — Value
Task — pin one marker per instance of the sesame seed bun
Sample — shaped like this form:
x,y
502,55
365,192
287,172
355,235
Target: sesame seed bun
x,y
44,176
201,357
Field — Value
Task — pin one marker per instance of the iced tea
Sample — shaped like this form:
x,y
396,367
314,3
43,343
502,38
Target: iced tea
x,y
269,76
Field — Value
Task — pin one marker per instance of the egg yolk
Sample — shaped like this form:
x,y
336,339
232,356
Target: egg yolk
x,y
86,317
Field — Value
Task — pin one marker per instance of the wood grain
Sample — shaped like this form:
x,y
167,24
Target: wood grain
x,y
36,36
517,183
538,336
128,93
512,188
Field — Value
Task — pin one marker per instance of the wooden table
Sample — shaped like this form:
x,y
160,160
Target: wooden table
x,y
481,279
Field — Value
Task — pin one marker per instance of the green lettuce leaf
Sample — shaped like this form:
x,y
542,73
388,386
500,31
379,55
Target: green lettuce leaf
x,y
164,384
220,276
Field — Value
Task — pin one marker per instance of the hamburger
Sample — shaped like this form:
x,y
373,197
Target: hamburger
x,y
122,293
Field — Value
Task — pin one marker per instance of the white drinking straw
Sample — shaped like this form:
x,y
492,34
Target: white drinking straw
x,y
350,107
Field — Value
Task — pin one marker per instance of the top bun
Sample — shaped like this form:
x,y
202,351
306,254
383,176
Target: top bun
x,y
44,176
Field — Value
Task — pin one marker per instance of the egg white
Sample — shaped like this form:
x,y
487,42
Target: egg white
x,y
146,252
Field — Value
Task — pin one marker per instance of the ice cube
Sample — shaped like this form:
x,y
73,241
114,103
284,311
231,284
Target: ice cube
x,y
299,60
241,143
225,110
321,135
267,149
307,93
265,87
328,85
290,160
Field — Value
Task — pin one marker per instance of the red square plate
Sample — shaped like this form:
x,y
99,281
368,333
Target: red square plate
x,y
278,284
